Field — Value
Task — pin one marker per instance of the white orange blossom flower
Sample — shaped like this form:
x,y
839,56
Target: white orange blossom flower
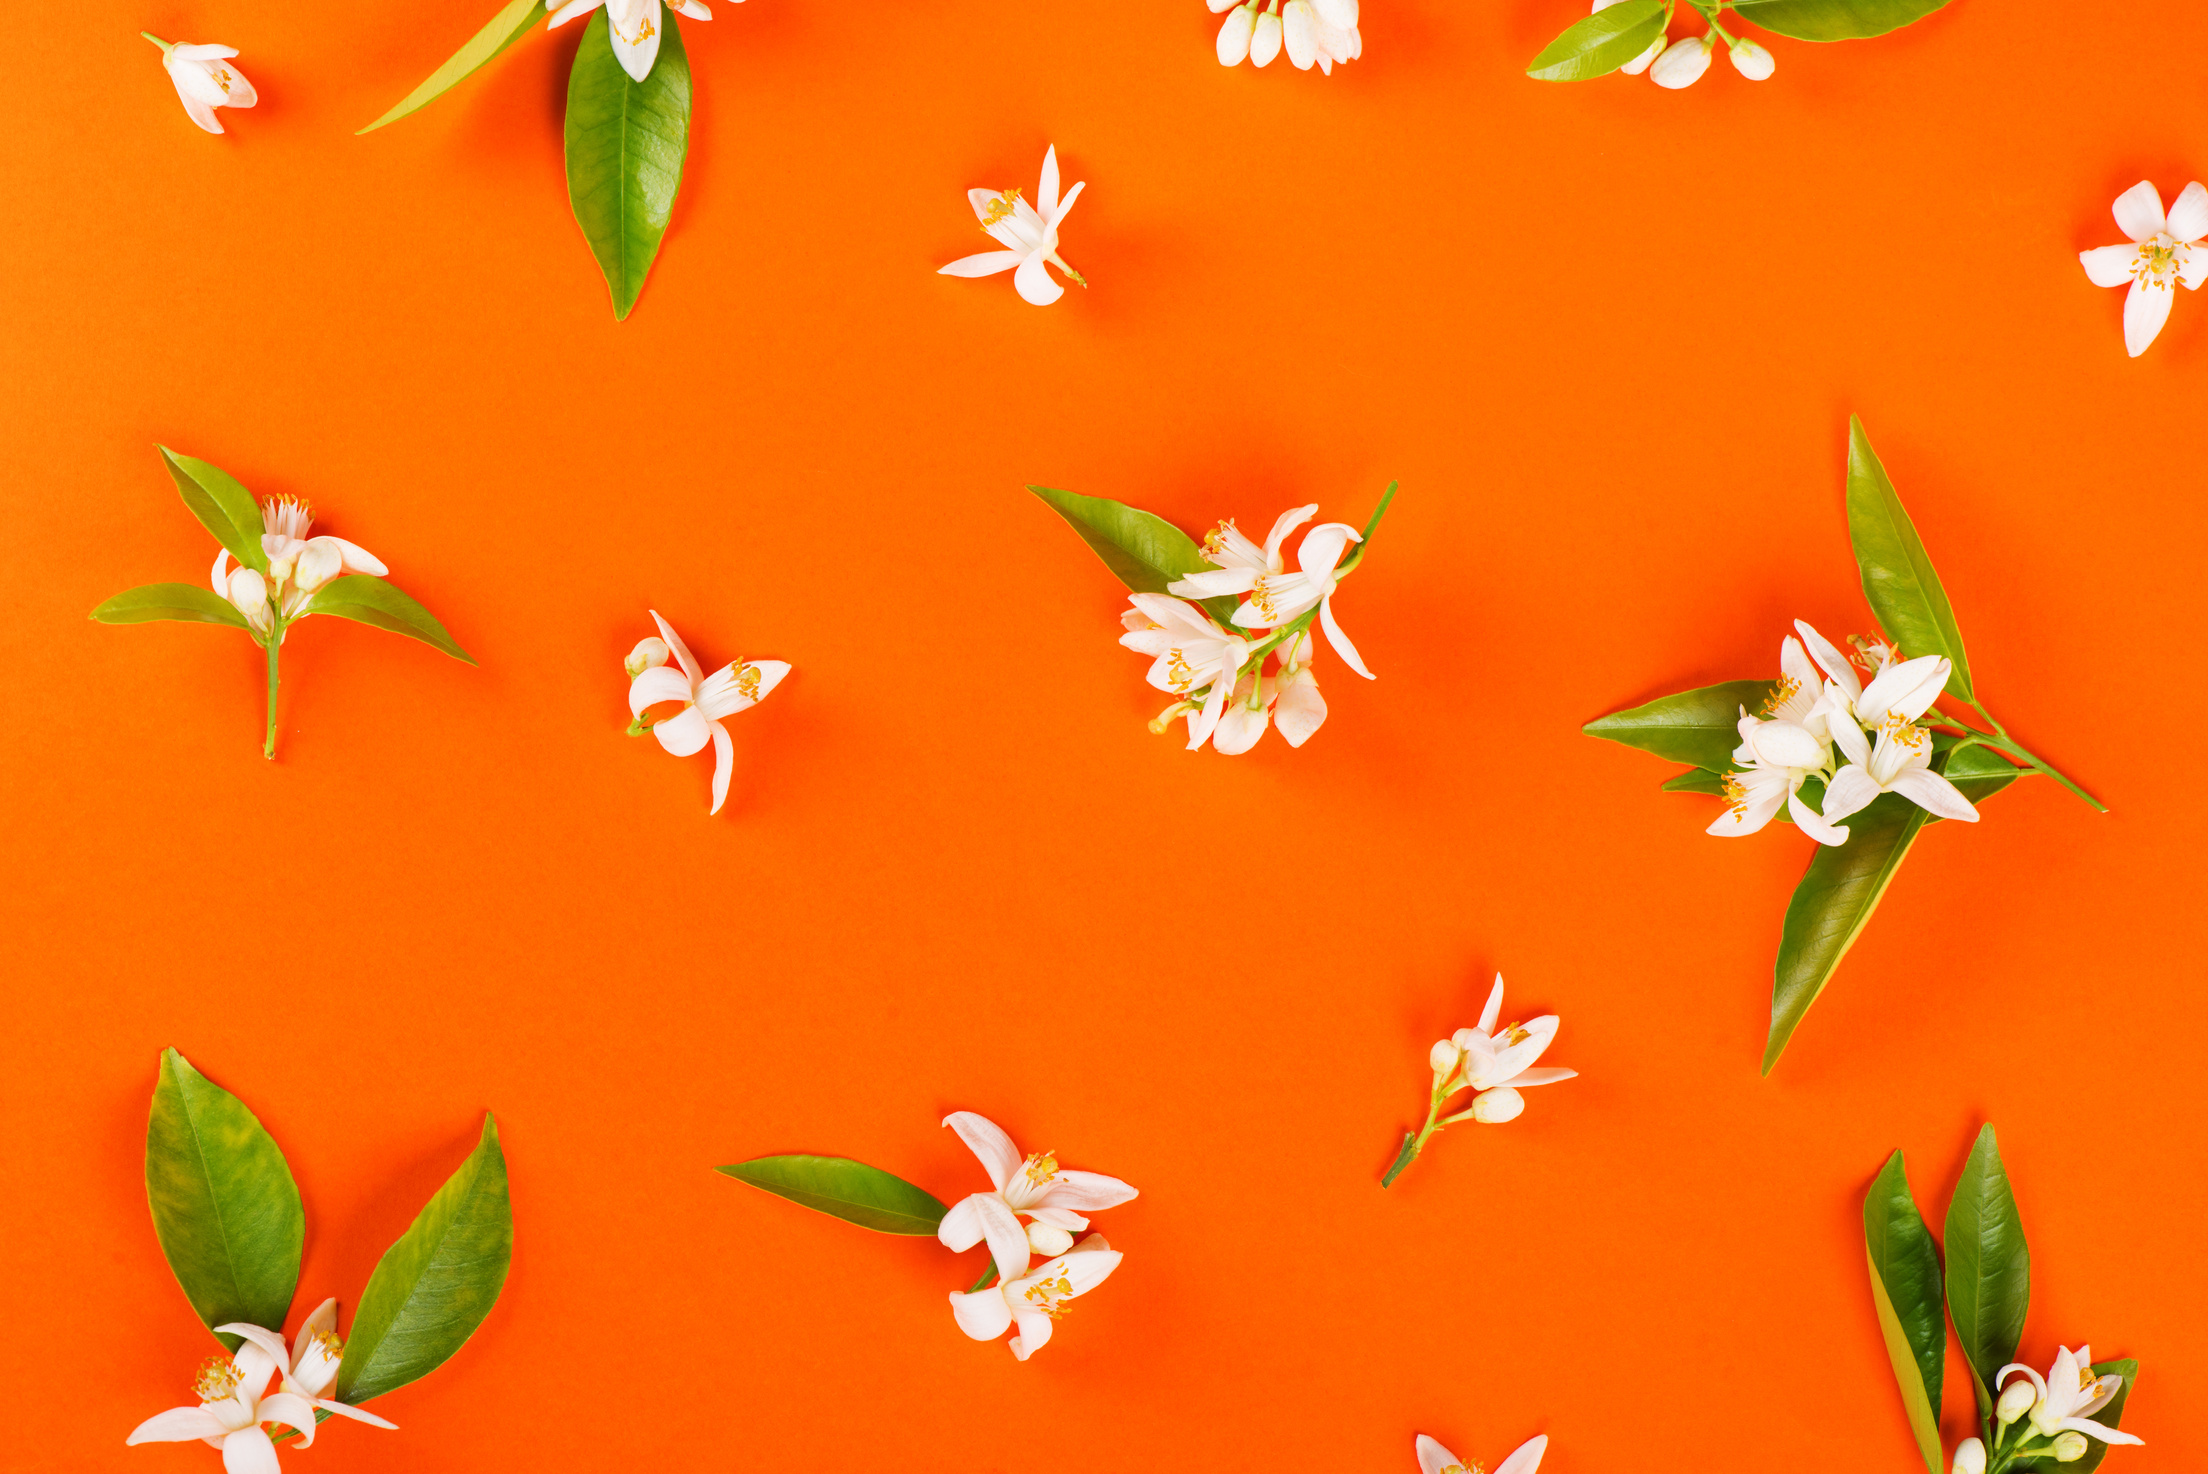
x,y
706,699
204,79
1035,1187
1028,233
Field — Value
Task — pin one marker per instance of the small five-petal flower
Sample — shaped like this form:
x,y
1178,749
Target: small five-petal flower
x,y
1028,233
1051,1197
234,1400
706,699
2165,250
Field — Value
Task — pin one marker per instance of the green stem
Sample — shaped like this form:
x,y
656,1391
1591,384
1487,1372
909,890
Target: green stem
x,y
1413,1145
166,46
2003,742
987,1275
275,643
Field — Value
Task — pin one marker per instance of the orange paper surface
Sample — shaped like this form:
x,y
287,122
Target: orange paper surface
x,y
1608,338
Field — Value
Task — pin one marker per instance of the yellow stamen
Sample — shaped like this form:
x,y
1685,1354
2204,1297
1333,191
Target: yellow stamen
x,y
1514,1034
217,1378
1216,540
1046,1295
1041,1167
1178,672
1000,207
747,683
1781,695
1736,797
1261,599
2159,262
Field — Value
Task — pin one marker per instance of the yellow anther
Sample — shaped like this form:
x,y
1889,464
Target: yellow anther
x,y
1045,1295
218,1378
1781,695
1216,539
1042,1167
1000,207
2159,262
1178,672
747,683
1261,599
1514,1034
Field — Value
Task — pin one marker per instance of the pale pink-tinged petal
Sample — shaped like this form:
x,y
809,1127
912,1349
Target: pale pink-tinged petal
x,y
2138,211
1433,1458
986,263
1340,641
220,577
1851,789
689,662
1527,1457
2146,308
655,684
1928,790
2108,266
249,1451
358,1415
989,1142
1063,1218
1035,284
982,1314
724,762
1494,1009
199,112
684,733
178,1425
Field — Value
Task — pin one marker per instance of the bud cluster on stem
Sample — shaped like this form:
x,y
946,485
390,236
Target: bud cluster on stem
x,y
1494,1063
1681,63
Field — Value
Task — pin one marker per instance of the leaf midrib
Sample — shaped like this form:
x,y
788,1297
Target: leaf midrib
x,y
383,1336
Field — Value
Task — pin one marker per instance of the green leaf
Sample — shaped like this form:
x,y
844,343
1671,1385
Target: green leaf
x,y
1144,551
625,145
1700,727
2110,1416
222,506
1989,1267
1600,43
1834,20
1697,780
1835,898
367,599
186,601
845,1189
224,1206
517,20
433,1287
1905,1287
1979,773
1898,578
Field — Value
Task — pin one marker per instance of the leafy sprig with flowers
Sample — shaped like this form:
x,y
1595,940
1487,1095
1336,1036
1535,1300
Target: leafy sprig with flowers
x,y
1838,738
1492,1060
1212,615
282,576
1032,1210
2026,1421
1633,36
227,1212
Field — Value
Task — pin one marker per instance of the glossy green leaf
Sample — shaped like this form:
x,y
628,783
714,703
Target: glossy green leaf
x,y
1600,43
1989,1267
1834,20
625,145
1700,727
2110,1416
367,599
433,1287
1144,551
1905,1287
1836,897
1979,773
186,601
1898,577
1697,780
224,1205
845,1189
222,506
517,20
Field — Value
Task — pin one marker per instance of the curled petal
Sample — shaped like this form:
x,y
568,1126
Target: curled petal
x,y
250,1451
1851,789
982,1314
1034,283
989,1143
724,762
685,732
1526,1458
2109,266
655,684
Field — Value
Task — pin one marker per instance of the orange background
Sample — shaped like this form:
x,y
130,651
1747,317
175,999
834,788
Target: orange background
x,y
1608,338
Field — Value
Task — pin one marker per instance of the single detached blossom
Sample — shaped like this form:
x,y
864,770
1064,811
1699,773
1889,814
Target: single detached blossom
x,y
1032,1301
706,699
1191,651
1434,1459
297,566
2165,250
204,79
1051,1197
1028,233
1311,31
2069,1395
632,26
234,1402
1493,1063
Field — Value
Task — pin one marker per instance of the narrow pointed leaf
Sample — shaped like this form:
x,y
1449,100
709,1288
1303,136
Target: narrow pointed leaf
x,y
1700,727
432,1288
367,599
2110,1416
1144,551
1696,780
1600,43
1979,773
1989,1267
517,20
625,146
1898,578
842,1188
222,506
224,1205
1835,899
185,601
1834,20
1905,1289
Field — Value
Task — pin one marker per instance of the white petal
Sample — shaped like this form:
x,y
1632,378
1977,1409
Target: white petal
x,y
982,1314
683,733
322,1321
1034,282
1234,35
262,1355
2146,308
1432,1457
985,263
220,577
2138,211
200,113
1750,815
1527,1458
1340,641
689,662
1034,1333
1296,34
2101,1431
194,80
1046,190
1494,1009
1836,666
1928,790
1090,1191
1065,204
1265,39
291,1410
1239,727
1851,789
2108,266
358,1415
1814,826
201,51
633,29
960,1228
724,761
1299,710
357,558
987,1141
570,10
2189,213
655,684
248,1451
178,1425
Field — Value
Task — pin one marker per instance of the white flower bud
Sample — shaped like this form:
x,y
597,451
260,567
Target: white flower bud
x,y
1234,44
1682,63
1970,1458
1298,34
1047,1241
2070,1446
1218,5
1443,1056
1265,39
1639,64
2016,1400
316,564
1752,61
249,593
649,652
1340,14
1493,1107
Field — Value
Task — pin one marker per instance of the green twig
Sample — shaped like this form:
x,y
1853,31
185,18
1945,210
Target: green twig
x,y
275,643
